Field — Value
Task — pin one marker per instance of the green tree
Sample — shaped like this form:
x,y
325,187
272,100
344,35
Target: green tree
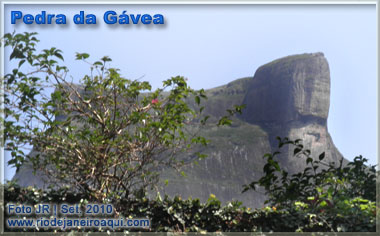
x,y
334,194
106,136
354,179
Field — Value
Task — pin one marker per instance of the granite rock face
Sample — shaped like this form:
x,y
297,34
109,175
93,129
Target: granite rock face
x,y
289,89
288,97
234,158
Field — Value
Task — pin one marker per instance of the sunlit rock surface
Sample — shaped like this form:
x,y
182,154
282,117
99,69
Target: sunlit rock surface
x,y
288,97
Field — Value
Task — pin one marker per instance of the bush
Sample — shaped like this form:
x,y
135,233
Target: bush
x,y
342,197
190,215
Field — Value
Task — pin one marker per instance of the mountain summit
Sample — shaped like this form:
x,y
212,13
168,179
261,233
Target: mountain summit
x,y
290,97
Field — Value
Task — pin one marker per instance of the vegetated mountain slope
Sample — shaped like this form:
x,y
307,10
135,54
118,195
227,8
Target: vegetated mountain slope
x,y
288,97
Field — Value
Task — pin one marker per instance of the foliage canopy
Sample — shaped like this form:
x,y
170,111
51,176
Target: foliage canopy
x,y
106,135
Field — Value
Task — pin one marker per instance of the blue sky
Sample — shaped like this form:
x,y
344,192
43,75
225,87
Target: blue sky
x,y
212,45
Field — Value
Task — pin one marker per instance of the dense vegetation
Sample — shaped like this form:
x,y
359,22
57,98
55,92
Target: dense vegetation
x,y
337,198
343,202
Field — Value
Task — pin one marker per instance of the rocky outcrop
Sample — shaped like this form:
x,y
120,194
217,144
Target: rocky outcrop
x,y
294,88
288,97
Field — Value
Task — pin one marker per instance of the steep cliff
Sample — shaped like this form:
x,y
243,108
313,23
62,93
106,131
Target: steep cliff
x,y
288,97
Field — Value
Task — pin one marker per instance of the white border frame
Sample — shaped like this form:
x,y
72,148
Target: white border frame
x,y
194,2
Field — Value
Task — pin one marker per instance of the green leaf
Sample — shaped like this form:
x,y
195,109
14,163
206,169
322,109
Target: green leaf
x,y
16,54
276,166
330,192
201,156
21,62
204,120
322,156
82,56
106,58
296,150
59,55
224,121
197,100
